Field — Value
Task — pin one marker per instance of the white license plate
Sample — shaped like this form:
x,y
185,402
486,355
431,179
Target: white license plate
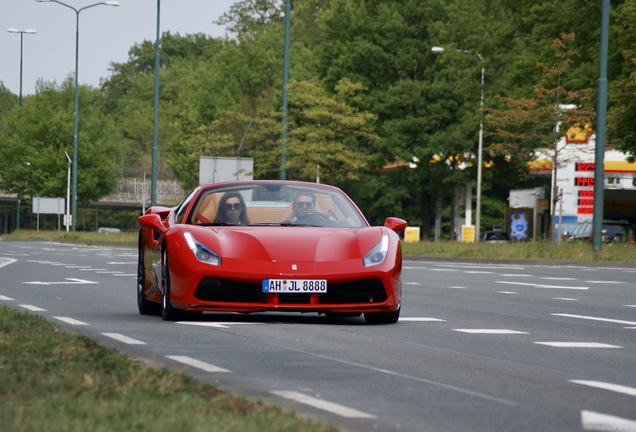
x,y
301,286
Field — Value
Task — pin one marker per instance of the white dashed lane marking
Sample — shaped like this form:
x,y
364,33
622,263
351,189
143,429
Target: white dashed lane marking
x,y
605,282
421,319
124,339
607,386
5,298
70,321
558,278
207,367
480,272
594,421
595,318
489,331
32,308
578,345
457,287
324,405
543,286
514,275
565,298
507,292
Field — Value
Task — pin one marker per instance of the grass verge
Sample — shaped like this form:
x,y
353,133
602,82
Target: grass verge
x,y
75,237
57,381
540,250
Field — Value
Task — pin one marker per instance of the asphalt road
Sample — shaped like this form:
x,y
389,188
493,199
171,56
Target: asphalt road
x,y
479,347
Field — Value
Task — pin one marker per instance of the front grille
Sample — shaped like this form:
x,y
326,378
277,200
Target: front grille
x,y
364,291
294,298
221,290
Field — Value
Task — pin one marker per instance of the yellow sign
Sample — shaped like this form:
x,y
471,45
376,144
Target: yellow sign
x,y
468,234
412,234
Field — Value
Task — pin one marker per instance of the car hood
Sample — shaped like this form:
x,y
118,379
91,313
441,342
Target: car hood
x,y
298,244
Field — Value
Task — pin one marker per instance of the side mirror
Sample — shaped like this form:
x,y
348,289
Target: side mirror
x,y
395,224
152,222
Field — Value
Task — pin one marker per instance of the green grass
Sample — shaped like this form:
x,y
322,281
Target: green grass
x,y
52,380
540,250
75,237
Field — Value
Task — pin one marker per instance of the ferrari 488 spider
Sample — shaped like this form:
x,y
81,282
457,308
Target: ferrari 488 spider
x,y
255,246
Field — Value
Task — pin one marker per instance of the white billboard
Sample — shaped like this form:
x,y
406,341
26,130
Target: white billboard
x,y
43,205
215,169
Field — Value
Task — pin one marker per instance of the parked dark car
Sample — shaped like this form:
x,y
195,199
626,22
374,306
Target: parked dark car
x,y
611,232
495,236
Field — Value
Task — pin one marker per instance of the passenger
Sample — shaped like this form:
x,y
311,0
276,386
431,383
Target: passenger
x,y
232,210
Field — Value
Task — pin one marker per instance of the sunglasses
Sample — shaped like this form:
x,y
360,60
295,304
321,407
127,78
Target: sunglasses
x,y
235,206
306,204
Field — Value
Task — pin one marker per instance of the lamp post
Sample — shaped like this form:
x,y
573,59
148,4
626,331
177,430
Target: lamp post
x,y
67,217
480,149
155,133
22,32
75,115
283,146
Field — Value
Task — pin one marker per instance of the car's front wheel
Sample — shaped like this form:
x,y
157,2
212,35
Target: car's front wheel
x,y
382,318
168,313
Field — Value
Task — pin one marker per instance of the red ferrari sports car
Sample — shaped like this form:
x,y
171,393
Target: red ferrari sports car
x,y
255,246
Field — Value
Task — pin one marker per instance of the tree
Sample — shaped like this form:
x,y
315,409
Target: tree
x,y
530,125
32,158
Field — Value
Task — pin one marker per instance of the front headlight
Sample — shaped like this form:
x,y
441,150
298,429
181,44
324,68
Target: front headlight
x,y
201,252
377,255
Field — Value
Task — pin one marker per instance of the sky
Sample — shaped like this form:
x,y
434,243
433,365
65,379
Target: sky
x,y
106,34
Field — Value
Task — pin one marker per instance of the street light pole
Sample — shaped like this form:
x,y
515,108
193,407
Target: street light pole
x,y
480,149
22,32
68,193
283,146
155,133
75,110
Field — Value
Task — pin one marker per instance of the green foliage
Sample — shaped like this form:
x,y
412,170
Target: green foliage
x,y
32,158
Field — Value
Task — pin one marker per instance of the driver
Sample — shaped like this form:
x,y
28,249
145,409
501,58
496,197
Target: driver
x,y
304,203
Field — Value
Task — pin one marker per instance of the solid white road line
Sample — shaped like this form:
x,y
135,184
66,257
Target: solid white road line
x,y
70,320
5,298
578,345
594,421
607,386
595,318
33,308
542,286
124,339
207,367
324,405
6,261
420,319
489,331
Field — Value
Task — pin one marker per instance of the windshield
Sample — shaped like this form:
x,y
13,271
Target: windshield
x,y
275,203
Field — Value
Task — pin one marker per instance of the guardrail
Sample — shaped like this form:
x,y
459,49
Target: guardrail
x,y
135,192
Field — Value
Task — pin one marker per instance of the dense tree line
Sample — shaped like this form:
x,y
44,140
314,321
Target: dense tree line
x,y
366,91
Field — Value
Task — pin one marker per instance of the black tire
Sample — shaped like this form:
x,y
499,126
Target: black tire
x,y
168,313
145,306
382,318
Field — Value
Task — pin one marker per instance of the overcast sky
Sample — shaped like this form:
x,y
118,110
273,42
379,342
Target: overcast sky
x,y
106,34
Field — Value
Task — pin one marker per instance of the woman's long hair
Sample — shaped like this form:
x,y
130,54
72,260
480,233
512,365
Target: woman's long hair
x,y
220,214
